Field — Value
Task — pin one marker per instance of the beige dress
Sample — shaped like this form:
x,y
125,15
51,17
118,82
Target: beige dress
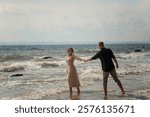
x,y
73,78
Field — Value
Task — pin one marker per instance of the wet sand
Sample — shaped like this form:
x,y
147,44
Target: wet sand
x,y
137,87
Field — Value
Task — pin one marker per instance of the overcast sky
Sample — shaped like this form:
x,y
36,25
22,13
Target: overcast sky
x,y
74,21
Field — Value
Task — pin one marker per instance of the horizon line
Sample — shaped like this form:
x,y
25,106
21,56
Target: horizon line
x,y
80,43
74,43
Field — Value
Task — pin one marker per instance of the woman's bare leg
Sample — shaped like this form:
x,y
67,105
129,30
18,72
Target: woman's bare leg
x,y
70,88
78,90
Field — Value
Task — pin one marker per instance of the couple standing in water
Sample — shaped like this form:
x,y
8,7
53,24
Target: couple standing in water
x,y
106,57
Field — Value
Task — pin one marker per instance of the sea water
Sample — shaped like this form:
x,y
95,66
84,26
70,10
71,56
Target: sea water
x,y
43,67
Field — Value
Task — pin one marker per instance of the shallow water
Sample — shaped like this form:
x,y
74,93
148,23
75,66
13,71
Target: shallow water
x,y
42,77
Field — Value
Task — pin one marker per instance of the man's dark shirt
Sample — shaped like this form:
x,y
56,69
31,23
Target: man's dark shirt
x,y
105,55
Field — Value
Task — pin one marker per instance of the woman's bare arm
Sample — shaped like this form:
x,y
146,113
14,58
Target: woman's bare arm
x,y
78,58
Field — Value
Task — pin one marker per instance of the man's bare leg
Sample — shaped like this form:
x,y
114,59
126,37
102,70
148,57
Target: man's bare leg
x,y
115,77
105,79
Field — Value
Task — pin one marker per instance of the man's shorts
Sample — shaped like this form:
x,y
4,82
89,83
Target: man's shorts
x,y
113,74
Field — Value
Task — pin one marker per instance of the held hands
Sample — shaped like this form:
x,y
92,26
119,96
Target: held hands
x,y
85,60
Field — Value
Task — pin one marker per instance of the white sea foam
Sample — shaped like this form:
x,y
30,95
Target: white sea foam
x,y
45,77
47,64
11,68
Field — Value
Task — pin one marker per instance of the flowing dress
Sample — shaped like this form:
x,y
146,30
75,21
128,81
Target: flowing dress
x,y
73,78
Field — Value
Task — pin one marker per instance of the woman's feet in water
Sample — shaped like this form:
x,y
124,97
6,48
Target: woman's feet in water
x,y
71,92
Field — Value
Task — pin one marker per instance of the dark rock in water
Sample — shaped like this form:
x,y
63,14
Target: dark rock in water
x,y
47,57
128,52
34,49
16,75
137,50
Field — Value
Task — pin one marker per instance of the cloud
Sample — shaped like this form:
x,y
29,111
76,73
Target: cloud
x,y
81,20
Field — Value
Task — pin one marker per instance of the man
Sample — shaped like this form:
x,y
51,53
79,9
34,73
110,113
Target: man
x,y
106,55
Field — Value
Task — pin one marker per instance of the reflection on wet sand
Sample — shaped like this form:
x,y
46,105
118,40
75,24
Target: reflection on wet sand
x,y
74,96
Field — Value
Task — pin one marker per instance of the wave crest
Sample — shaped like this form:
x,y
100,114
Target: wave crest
x,y
48,64
12,68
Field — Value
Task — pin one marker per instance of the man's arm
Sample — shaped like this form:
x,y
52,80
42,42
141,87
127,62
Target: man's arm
x,y
94,57
115,60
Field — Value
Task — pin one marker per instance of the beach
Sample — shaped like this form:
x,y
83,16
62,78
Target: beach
x,y
38,72
137,87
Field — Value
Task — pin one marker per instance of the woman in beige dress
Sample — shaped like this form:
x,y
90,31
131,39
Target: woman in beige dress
x,y
73,78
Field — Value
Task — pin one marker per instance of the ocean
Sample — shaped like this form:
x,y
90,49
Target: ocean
x,y
42,68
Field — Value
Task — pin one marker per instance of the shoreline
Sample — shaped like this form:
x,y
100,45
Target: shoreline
x,y
137,87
